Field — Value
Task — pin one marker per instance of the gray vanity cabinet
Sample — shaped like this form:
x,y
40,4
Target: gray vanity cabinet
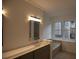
x,y
42,53
26,56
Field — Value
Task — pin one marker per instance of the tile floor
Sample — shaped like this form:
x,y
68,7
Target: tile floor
x,y
64,55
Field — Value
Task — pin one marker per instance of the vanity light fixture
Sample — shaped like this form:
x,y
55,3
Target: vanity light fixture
x,y
34,18
3,12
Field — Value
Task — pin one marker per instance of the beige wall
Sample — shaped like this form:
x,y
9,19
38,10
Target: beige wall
x,y
16,25
69,46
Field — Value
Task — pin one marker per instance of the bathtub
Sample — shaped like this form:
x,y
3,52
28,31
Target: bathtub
x,y
55,47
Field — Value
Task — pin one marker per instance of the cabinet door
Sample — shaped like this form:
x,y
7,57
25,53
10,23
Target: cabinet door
x,y
42,53
26,56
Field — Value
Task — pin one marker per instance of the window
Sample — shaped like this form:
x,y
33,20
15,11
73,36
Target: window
x,y
65,29
58,29
73,30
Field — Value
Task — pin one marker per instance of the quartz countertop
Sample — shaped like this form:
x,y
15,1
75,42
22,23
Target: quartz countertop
x,y
24,50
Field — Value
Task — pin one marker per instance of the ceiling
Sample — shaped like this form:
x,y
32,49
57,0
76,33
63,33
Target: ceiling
x,y
56,7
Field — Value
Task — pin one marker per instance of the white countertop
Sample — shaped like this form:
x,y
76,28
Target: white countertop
x,y
24,50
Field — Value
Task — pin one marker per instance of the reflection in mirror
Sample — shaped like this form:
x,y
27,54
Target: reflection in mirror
x,y
34,29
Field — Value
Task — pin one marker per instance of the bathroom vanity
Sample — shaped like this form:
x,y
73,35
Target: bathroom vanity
x,y
40,50
41,53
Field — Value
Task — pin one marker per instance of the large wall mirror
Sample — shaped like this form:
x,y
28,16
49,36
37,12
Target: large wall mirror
x,y
34,28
